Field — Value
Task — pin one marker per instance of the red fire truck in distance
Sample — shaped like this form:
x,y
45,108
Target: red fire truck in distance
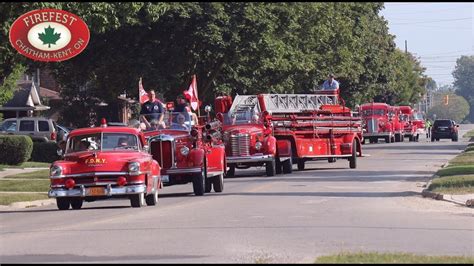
x,y
311,127
410,128
187,152
105,162
247,135
377,122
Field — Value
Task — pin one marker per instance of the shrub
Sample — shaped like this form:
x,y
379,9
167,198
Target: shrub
x,y
44,152
15,149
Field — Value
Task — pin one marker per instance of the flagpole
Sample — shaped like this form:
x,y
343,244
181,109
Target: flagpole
x,y
197,96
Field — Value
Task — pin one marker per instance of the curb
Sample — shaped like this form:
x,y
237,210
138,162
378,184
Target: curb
x,y
30,204
425,193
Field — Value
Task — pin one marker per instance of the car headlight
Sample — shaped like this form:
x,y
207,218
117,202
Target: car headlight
x,y
134,167
184,151
56,171
258,145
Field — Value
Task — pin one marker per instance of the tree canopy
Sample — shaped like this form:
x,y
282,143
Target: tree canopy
x,y
232,47
464,81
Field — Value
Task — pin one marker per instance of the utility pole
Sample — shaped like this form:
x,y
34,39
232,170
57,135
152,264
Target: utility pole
x,y
406,49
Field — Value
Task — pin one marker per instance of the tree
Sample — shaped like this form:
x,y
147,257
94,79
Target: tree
x,y
464,80
457,108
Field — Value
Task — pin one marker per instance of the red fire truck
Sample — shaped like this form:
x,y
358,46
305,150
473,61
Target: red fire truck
x,y
105,162
399,124
377,122
187,151
410,128
247,136
311,127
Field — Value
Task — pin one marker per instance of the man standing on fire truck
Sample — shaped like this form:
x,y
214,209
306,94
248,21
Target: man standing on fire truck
x,y
153,109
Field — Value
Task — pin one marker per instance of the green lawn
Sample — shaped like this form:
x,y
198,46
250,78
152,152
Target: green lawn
x,y
456,170
469,134
465,158
9,198
375,257
26,165
458,184
25,185
40,174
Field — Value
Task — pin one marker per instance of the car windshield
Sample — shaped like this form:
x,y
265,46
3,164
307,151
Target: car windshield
x,y
368,112
8,125
404,117
170,120
104,142
240,118
443,123
417,116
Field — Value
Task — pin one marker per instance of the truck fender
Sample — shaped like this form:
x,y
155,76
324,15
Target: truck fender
x,y
218,155
270,145
196,156
284,148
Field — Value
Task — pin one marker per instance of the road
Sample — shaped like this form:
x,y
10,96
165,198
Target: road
x,y
326,209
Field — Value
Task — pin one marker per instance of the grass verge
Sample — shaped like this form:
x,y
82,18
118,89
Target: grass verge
x,y
24,185
375,257
26,165
465,158
41,174
456,170
469,134
458,184
9,198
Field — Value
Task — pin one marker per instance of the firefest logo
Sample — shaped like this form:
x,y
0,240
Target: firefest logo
x,y
50,35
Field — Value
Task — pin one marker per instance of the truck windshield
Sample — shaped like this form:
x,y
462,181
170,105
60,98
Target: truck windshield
x,y
175,121
417,116
240,118
104,142
368,112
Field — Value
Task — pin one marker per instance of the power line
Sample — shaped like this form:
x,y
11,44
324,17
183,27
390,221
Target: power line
x,y
433,21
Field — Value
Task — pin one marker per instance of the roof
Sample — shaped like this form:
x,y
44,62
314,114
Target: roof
x,y
95,130
47,93
368,105
26,97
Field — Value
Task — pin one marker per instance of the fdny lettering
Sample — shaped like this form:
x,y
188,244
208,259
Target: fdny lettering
x,y
95,161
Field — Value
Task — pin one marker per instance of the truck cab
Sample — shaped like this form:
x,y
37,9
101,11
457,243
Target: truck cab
x,y
377,122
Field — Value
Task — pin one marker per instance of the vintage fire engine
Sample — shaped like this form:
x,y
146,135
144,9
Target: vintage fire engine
x,y
419,121
105,162
187,151
247,136
410,128
311,127
377,122
399,124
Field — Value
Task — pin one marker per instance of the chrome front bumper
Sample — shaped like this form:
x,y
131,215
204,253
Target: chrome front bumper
x,y
249,159
84,191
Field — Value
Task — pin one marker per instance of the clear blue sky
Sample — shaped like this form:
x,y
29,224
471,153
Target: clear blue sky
x,y
436,33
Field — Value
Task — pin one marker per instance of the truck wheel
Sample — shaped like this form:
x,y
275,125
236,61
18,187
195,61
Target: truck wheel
x,y
392,140
231,171
208,187
402,138
410,138
300,164
376,140
278,166
288,166
417,138
398,138
353,158
218,183
432,139
76,203
152,199
63,203
199,184
331,160
270,168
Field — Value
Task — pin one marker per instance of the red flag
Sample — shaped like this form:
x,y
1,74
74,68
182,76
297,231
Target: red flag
x,y
142,95
191,94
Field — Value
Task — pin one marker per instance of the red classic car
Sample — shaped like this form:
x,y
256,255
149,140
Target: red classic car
x,y
105,162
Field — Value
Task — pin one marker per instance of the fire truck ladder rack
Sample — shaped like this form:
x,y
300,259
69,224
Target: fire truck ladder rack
x,y
297,103
244,103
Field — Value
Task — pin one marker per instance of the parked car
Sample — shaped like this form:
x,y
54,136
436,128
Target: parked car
x,y
62,132
38,128
444,129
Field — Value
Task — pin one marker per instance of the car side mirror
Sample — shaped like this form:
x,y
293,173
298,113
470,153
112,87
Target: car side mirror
x,y
146,148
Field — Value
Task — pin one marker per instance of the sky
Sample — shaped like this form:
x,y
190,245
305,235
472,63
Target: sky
x,y
436,33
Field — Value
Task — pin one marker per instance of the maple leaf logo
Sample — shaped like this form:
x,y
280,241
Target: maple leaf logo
x,y
49,37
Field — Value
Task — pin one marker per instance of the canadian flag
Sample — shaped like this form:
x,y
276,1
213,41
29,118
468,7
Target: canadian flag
x,y
142,95
192,95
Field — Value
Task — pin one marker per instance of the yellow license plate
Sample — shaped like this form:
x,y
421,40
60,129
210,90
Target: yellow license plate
x,y
96,191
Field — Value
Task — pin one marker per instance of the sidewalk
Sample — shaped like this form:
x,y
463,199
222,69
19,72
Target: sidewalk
x,y
14,171
466,200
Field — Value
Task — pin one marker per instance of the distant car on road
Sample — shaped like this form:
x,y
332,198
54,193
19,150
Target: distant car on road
x,y
444,129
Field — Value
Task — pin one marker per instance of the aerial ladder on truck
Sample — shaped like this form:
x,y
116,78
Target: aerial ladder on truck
x,y
310,127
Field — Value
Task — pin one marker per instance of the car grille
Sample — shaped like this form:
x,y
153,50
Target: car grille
x,y
240,145
162,152
372,125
